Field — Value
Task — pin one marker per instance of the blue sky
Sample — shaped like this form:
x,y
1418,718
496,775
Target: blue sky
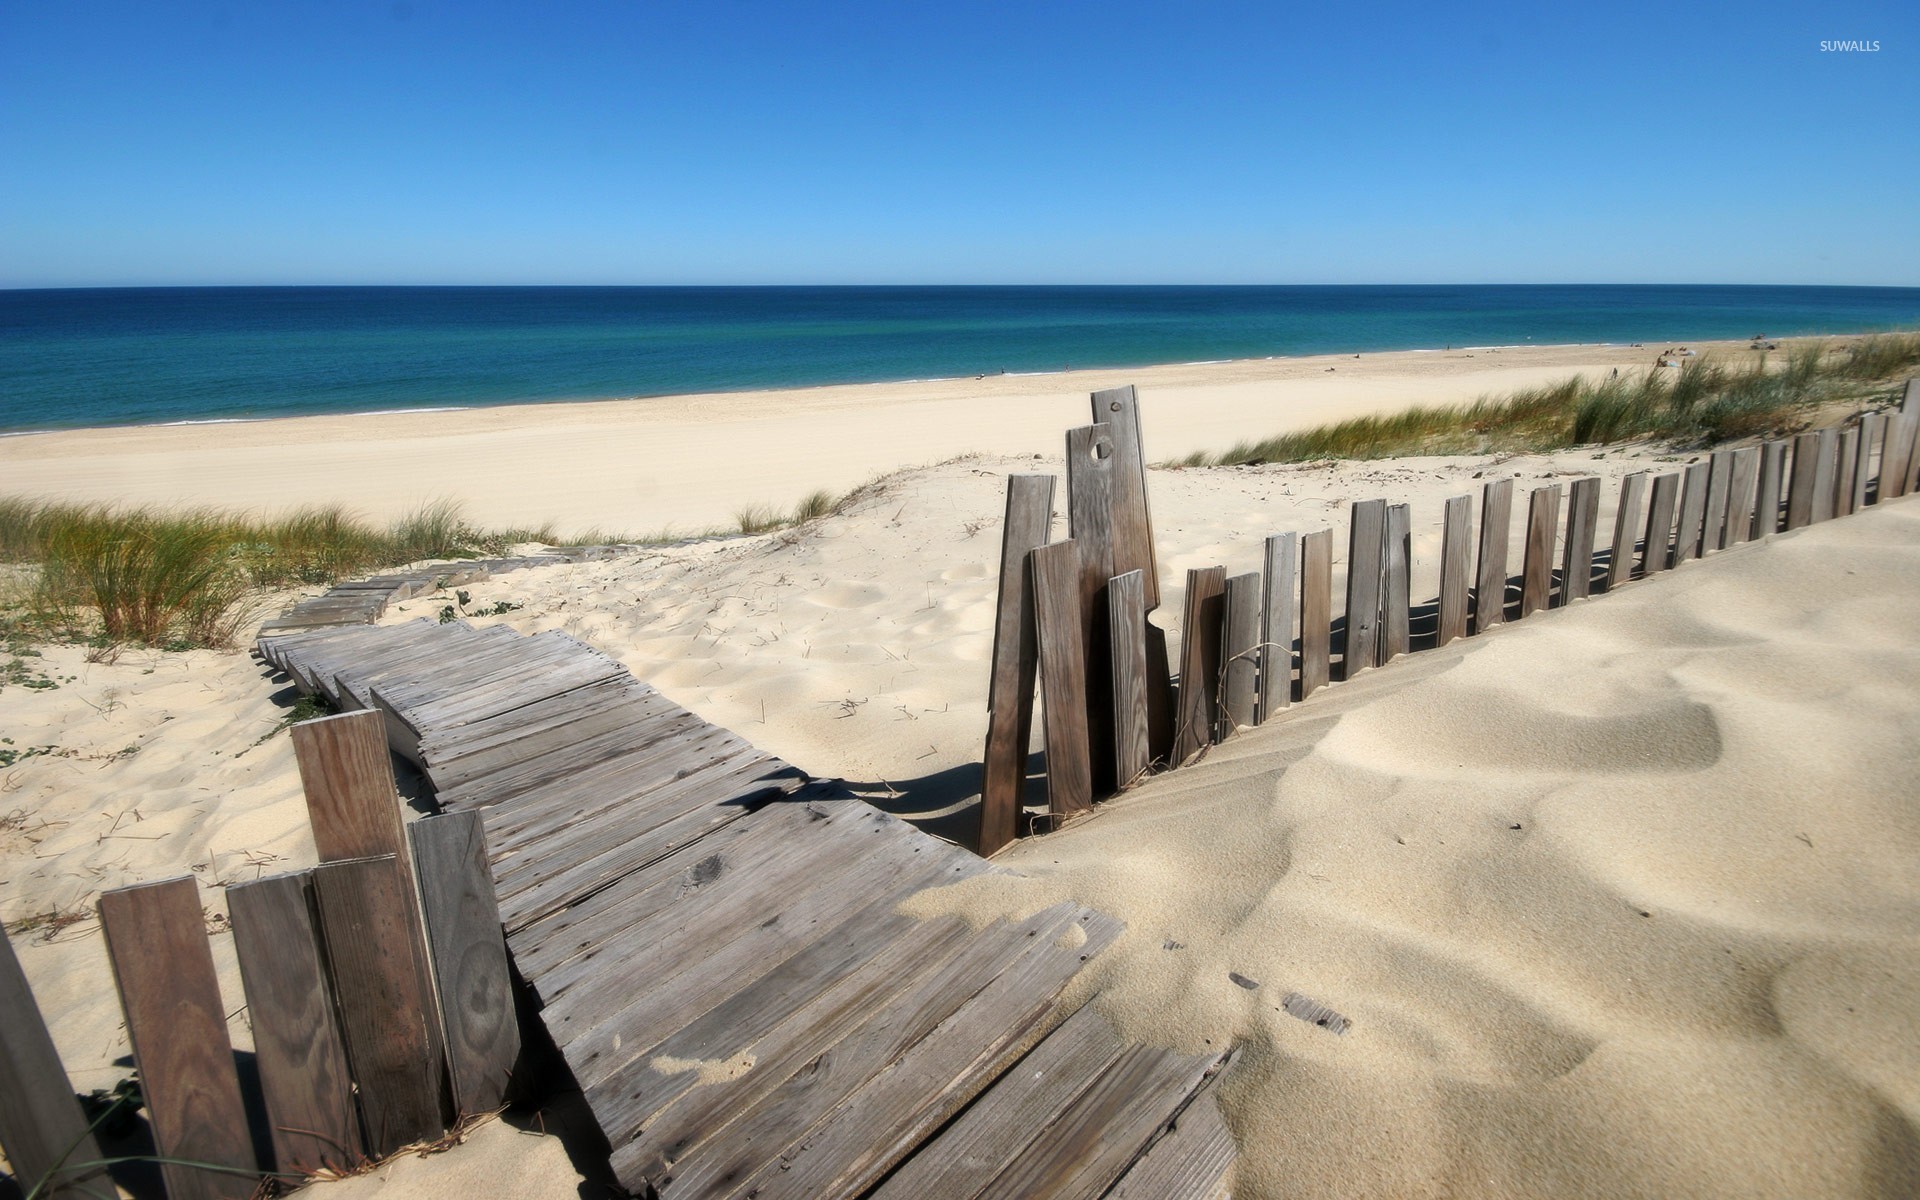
x,y
741,141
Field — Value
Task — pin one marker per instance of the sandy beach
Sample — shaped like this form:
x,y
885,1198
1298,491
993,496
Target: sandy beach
x,y
1619,898
637,467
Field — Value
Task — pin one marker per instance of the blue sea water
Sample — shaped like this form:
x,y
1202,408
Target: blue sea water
x,y
120,356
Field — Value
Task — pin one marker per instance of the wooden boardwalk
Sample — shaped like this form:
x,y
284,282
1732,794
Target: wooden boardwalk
x,y
714,942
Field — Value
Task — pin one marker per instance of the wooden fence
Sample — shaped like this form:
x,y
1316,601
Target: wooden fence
x,y
376,985
1077,610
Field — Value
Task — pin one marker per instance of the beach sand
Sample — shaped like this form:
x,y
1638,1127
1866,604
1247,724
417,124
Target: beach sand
x,y
1692,969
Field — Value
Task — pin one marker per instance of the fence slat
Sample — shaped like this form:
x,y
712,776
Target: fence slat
x,y
1583,516
1844,471
296,1039
1746,475
1456,563
1016,660
1127,606
469,957
367,915
1132,515
1693,512
1800,488
1316,610
1090,481
1896,455
1396,584
1496,526
1713,522
1543,521
1766,496
1366,546
1910,409
1240,651
1626,529
1056,598
1276,625
42,1128
1199,661
157,942
1863,459
1826,453
1658,555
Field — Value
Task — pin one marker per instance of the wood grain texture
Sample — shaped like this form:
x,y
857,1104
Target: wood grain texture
x,y
1713,522
1162,712
1127,607
1090,482
1870,429
1191,1161
42,1129
1910,410
1016,660
1626,529
1543,521
1240,651
368,915
1826,460
469,958
1746,477
1366,552
1693,512
1766,494
1056,597
1800,486
304,1078
1199,662
1896,453
1658,554
1316,610
1282,570
1456,569
157,942
1132,519
1396,583
1496,526
1583,518
1845,469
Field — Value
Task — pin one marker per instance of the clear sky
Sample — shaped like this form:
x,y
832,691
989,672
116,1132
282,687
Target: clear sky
x,y
743,141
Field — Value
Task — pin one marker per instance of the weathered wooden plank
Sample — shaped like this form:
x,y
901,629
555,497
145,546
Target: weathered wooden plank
x,y
1090,483
1801,485
369,917
296,1039
1366,552
1456,565
42,1129
1282,567
1543,520
1826,451
1766,496
1626,529
1713,522
1871,426
1240,651
1845,469
1127,607
1746,476
1658,553
1396,601
469,958
157,942
1132,519
1056,596
1009,1117
1896,455
1199,662
1191,1161
1693,511
1496,526
1316,610
1583,518
1016,659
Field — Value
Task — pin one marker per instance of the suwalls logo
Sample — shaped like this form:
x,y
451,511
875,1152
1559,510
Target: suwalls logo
x,y
1853,47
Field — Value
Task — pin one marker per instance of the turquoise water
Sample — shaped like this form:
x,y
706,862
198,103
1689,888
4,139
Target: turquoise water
x,y
74,358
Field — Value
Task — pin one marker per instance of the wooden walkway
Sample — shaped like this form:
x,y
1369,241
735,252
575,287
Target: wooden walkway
x,y
715,946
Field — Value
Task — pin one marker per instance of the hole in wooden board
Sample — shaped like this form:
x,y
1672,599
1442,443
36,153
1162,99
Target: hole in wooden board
x,y
1102,449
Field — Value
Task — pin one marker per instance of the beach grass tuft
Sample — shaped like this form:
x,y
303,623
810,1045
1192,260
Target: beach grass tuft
x,y
1707,400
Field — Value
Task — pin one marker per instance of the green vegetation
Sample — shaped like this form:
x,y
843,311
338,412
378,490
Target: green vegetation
x,y
761,518
1706,401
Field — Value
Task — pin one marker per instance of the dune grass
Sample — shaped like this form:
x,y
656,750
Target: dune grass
x,y
1708,400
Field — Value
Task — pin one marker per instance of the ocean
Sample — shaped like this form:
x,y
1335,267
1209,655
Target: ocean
x,y
76,358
